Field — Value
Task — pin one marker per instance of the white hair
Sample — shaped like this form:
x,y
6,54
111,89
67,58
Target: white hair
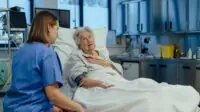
x,y
77,33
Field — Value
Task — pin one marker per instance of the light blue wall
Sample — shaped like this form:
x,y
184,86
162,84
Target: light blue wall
x,y
192,42
39,3
183,41
116,17
95,13
95,17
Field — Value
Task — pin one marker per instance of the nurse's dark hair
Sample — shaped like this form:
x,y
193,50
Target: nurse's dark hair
x,y
39,27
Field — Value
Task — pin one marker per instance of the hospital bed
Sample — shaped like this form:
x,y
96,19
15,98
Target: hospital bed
x,y
65,45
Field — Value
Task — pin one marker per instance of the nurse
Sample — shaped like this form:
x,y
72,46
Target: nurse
x,y
36,72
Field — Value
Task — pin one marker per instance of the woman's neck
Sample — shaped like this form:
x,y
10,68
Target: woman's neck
x,y
90,52
93,53
46,44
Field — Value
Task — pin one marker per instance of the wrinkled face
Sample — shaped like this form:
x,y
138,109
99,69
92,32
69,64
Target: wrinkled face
x,y
87,43
53,32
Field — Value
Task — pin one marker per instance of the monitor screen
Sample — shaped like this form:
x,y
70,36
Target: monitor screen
x,y
17,19
62,15
64,19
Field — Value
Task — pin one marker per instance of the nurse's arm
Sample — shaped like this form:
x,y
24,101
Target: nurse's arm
x,y
59,99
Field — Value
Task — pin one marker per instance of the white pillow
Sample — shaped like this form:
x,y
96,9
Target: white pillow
x,y
65,43
66,35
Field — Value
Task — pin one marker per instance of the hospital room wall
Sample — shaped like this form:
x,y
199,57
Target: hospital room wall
x,y
116,45
74,12
60,4
91,17
185,42
116,17
74,18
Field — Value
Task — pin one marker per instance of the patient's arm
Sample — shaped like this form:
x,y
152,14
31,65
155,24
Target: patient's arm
x,y
84,82
89,83
78,71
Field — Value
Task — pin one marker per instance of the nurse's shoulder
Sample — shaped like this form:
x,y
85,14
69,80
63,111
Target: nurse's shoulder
x,y
35,49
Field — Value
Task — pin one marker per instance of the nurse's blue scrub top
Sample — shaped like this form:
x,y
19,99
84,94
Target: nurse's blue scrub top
x,y
34,67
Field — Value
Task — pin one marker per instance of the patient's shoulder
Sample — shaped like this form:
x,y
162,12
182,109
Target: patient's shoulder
x,y
76,55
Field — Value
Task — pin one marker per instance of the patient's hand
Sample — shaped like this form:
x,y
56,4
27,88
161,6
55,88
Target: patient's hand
x,y
99,62
89,83
56,109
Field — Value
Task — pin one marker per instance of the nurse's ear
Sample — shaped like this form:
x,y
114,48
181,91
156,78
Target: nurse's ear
x,y
49,28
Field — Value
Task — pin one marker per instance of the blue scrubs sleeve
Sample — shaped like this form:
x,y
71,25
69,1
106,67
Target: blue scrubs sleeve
x,y
51,70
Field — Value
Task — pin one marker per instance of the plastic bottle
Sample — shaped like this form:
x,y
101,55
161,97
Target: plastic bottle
x,y
189,53
198,53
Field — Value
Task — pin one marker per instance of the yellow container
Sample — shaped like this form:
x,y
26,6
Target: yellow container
x,y
167,51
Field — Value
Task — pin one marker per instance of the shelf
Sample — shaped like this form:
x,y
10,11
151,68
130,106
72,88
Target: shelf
x,y
4,9
194,32
166,33
17,29
3,38
4,88
5,48
130,1
4,59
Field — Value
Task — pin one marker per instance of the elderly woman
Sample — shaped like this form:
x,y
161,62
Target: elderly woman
x,y
97,83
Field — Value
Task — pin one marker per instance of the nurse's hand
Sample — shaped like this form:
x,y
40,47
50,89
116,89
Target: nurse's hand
x,y
89,83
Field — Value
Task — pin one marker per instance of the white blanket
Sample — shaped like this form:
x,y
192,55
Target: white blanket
x,y
140,95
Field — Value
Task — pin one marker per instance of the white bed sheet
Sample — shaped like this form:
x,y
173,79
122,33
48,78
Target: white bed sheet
x,y
198,109
140,95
